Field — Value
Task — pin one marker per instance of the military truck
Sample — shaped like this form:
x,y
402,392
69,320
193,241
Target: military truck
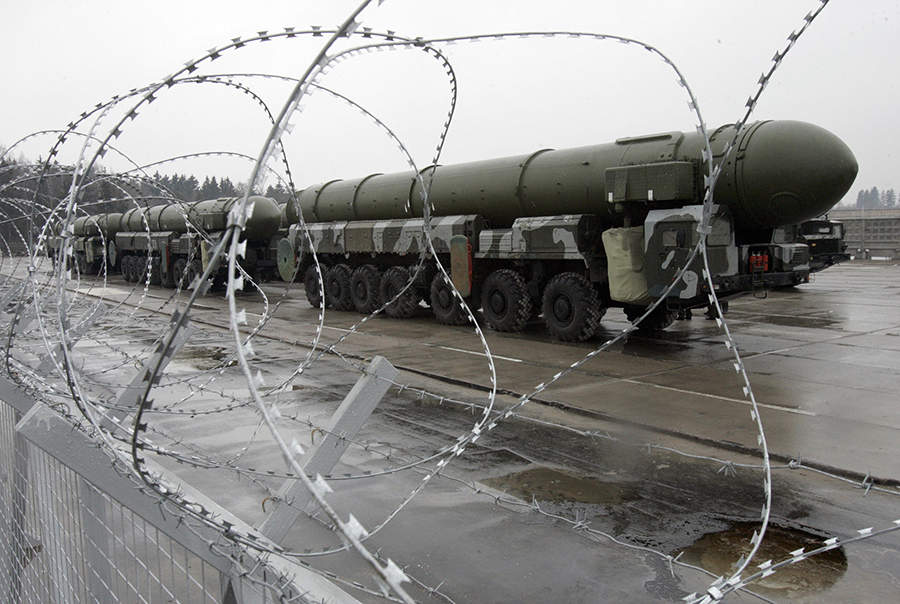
x,y
566,234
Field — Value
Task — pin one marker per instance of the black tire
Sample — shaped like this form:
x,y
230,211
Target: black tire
x,y
505,301
136,269
140,267
133,269
193,270
178,272
713,313
571,308
125,266
337,287
445,303
365,288
312,285
168,278
80,263
658,320
392,283
155,271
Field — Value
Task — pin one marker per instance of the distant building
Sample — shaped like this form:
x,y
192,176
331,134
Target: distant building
x,y
870,233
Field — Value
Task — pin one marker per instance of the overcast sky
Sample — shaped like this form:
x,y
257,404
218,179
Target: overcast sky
x,y
61,58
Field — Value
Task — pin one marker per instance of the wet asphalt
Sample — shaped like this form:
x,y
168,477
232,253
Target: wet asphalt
x,y
650,443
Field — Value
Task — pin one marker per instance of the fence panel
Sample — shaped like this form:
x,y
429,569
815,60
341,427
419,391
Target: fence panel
x,y
64,541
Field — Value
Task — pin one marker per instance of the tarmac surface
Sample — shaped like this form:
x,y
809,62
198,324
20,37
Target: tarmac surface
x,y
642,458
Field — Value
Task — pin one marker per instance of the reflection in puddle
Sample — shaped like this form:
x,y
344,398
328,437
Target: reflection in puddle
x,y
547,484
719,552
716,552
203,357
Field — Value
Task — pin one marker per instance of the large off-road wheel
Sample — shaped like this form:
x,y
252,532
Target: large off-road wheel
x,y
313,286
168,278
155,271
126,268
134,269
445,304
659,319
365,288
571,308
80,263
505,301
392,283
337,287
140,267
178,272
193,270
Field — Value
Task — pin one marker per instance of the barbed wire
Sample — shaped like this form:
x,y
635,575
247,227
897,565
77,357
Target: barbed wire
x,y
72,290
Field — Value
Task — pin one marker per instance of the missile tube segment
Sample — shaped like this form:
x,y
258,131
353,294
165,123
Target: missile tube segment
x,y
208,215
547,182
86,226
780,172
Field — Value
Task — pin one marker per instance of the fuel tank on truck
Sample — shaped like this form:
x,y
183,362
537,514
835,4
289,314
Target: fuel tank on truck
x,y
778,173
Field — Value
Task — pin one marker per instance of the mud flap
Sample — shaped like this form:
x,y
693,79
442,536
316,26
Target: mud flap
x,y
461,264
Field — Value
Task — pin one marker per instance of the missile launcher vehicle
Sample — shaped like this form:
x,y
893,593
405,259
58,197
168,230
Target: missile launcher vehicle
x,y
567,234
170,243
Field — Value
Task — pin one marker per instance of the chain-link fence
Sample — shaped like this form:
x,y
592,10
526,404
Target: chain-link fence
x,y
78,527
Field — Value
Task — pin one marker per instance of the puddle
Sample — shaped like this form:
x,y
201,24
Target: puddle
x,y
547,484
807,322
718,552
204,357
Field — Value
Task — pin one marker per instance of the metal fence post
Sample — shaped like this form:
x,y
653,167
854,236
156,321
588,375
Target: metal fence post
x,y
345,423
128,398
74,335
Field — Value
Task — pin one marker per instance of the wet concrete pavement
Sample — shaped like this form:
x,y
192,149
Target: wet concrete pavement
x,y
823,360
650,443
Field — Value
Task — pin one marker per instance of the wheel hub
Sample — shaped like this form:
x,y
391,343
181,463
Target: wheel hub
x,y
498,303
562,309
443,299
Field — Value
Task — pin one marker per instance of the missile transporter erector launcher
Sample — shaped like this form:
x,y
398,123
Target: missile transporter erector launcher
x,y
169,243
89,237
569,233
172,242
